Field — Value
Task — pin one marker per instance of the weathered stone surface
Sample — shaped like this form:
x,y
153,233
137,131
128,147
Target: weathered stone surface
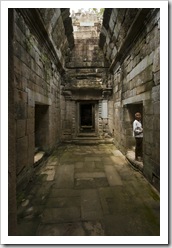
x,y
156,62
156,93
64,229
85,211
22,158
156,107
30,123
59,215
65,176
63,202
21,128
90,175
90,211
112,176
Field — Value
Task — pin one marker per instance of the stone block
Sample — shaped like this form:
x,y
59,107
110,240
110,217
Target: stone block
x,y
156,60
156,107
148,107
148,122
147,149
144,87
112,176
156,77
55,192
63,202
26,72
65,176
20,95
131,85
107,160
20,82
146,62
30,126
54,19
17,65
31,145
91,211
130,66
61,229
20,110
156,93
156,122
148,136
60,215
22,151
21,128
30,112
84,175
111,23
114,52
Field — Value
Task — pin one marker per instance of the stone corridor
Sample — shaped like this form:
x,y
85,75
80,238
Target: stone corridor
x,y
88,191
77,77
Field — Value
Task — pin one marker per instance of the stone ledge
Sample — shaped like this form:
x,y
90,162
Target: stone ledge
x,y
136,164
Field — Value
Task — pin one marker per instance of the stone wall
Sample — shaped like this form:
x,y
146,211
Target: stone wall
x,y
130,39
38,69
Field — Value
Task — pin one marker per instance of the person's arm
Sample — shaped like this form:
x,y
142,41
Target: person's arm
x,y
137,130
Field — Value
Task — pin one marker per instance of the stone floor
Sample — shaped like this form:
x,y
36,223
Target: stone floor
x,y
88,191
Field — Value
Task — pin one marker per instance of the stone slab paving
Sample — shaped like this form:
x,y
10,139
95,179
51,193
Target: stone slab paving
x,y
90,205
65,176
88,191
60,215
90,175
112,175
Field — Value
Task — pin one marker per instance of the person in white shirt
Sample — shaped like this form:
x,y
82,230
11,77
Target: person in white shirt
x,y
138,134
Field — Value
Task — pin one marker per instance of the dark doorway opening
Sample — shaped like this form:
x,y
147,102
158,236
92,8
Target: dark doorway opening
x,y
130,111
41,126
130,117
87,117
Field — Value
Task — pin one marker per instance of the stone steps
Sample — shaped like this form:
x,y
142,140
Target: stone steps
x,y
91,140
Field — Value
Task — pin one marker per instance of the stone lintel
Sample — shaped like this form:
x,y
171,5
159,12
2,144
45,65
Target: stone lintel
x,y
35,97
139,98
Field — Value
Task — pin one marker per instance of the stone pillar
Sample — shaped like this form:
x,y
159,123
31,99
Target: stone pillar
x,y
12,205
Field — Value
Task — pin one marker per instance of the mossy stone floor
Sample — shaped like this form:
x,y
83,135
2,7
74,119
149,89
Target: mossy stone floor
x,y
88,191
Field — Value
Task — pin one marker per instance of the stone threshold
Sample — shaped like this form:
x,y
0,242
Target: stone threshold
x,y
91,141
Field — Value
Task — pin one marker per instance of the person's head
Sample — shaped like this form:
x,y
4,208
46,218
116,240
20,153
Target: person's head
x,y
138,116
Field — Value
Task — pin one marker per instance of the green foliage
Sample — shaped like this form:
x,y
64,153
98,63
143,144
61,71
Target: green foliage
x,y
99,12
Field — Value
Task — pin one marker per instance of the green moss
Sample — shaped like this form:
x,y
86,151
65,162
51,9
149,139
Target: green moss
x,y
150,216
29,43
154,195
20,196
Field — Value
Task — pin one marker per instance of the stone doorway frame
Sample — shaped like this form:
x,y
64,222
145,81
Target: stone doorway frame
x,y
94,115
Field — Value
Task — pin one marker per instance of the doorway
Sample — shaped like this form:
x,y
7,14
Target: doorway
x,y
87,117
129,117
41,126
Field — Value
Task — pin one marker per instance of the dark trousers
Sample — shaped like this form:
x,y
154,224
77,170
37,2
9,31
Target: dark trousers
x,y
138,149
